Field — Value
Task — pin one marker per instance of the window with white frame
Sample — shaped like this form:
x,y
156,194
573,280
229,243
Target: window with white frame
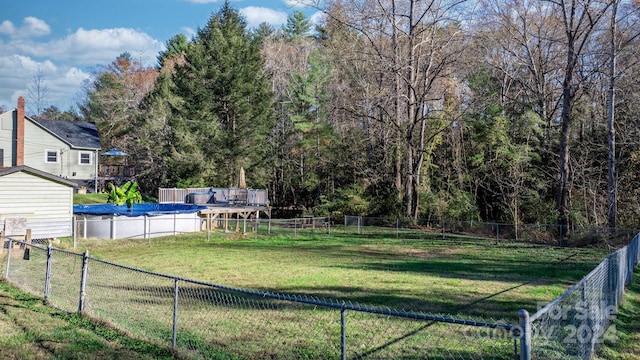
x,y
84,158
51,156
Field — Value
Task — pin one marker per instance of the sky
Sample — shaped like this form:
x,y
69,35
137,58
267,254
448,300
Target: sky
x,y
65,42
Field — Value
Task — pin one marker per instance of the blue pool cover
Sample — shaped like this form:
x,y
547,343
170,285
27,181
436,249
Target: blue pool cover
x,y
136,209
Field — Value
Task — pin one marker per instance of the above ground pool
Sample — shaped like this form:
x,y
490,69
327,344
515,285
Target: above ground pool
x,y
110,221
136,209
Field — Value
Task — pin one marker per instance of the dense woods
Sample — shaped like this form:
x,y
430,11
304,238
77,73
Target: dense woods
x,y
501,110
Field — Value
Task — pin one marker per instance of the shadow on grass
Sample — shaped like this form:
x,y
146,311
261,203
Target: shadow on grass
x,y
476,261
489,266
44,331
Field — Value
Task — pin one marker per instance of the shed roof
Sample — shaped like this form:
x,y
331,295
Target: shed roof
x,y
36,172
78,134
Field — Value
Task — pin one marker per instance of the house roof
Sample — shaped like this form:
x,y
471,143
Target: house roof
x,y
78,134
36,172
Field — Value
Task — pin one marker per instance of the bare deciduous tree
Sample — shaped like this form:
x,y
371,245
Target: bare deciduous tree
x,y
38,93
579,20
411,45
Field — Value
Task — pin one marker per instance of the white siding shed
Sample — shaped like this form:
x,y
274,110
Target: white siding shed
x,y
46,201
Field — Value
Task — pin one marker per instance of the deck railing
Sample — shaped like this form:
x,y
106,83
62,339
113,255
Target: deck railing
x,y
240,196
116,171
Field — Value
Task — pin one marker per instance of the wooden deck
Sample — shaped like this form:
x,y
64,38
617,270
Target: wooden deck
x,y
218,215
223,204
222,196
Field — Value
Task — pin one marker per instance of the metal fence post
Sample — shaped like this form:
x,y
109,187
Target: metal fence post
x,y
47,281
632,255
75,231
6,270
343,332
244,226
525,335
83,280
84,226
612,294
584,340
144,227
174,336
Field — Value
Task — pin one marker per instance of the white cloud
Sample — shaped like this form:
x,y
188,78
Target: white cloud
x,y
188,31
317,17
15,72
73,76
92,47
61,60
14,67
257,15
65,85
33,27
302,3
62,82
6,27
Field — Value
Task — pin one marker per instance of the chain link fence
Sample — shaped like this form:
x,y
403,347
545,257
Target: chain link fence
x,y
572,325
208,321
406,228
204,320
548,234
409,228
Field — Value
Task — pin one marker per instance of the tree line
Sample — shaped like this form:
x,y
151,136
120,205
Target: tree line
x,y
501,110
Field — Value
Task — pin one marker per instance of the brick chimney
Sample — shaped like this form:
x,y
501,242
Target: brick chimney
x,y
20,133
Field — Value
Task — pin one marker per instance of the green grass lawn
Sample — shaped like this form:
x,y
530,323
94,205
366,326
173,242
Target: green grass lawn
x,y
90,198
30,330
625,344
466,278
435,276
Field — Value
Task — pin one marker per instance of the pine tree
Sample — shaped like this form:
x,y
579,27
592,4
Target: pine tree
x,y
297,26
175,45
309,117
225,114
152,146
